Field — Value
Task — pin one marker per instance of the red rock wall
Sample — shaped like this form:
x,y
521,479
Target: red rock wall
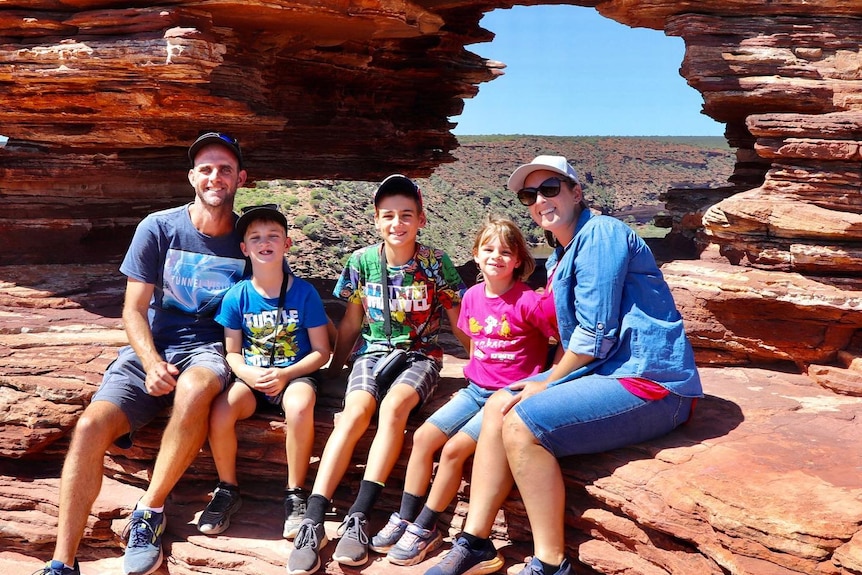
x,y
99,100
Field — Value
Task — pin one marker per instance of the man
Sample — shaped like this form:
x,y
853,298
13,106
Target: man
x,y
179,264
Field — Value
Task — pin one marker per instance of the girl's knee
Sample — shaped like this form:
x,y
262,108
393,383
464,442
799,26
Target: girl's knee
x,y
428,438
456,451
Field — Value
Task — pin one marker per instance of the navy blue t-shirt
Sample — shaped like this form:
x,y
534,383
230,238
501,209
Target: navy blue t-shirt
x,y
190,271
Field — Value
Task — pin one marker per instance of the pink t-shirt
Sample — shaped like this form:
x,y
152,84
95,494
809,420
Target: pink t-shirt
x,y
509,334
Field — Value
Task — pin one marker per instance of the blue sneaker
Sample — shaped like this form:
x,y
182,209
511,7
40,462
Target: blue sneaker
x,y
387,537
534,567
144,542
464,560
58,568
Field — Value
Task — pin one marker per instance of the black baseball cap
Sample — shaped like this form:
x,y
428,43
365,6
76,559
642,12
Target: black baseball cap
x,y
220,138
398,184
263,211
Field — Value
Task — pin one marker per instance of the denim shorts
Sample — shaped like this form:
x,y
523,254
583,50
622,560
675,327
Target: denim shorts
x,y
422,374
463,412
124,382
593,414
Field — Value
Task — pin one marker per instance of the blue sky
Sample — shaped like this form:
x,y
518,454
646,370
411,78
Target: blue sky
x,y
572,72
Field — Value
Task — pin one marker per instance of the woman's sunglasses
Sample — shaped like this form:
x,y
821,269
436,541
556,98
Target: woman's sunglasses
x,y
550,188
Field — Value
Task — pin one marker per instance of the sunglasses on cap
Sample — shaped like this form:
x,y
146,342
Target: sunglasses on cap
x,y
550,188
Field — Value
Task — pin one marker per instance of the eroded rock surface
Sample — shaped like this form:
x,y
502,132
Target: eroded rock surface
x,y
100,99
764,479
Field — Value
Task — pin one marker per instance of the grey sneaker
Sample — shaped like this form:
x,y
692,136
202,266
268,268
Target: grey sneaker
x,y
143,534
305,557
216,516
387,537
352,548
534,567
414,545
464,560
294,512
58,568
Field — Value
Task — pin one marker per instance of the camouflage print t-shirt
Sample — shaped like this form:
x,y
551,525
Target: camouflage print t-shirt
x,y
418,293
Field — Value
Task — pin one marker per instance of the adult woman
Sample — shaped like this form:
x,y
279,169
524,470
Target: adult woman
x,y
627,374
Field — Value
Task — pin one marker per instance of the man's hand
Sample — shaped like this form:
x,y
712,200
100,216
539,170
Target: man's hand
x,y
161,378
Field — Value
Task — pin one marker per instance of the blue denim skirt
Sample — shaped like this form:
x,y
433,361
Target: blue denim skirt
x,y
593,414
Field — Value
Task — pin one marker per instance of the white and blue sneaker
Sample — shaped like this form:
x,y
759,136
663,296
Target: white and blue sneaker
x,y
143,536
387,537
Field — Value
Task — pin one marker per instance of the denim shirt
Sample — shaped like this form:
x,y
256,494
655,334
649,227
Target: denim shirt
x,y
612,303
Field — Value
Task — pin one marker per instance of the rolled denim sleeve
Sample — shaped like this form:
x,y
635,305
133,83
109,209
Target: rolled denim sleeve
x,y
591,343
601,265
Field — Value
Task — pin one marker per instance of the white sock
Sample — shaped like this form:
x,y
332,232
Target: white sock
x,y
140,507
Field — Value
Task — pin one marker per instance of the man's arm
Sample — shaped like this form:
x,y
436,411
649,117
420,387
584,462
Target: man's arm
x,y
348,331
161,375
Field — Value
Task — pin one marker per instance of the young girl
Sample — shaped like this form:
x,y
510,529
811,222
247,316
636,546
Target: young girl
x,y
508,342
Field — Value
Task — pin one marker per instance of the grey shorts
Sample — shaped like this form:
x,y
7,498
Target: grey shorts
x,y
422,374
272,403
124,382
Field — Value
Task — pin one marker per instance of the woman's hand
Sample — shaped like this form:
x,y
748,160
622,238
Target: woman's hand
x,y
527,388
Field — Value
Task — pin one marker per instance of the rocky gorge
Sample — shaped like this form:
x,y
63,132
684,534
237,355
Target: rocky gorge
x,y
100,98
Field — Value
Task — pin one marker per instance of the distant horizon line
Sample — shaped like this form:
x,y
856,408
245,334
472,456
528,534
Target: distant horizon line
x,y
589,136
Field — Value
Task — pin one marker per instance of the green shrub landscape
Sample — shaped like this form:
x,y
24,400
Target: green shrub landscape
x,y
623,177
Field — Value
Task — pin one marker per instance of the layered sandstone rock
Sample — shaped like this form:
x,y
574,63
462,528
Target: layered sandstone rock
x,y
100,99
764,479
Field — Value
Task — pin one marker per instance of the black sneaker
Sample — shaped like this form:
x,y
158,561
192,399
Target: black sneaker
x,y
295,503
216,517
58,568
305,557
464,560
352,548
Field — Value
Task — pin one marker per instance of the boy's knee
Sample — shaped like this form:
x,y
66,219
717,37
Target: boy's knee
x,y
356,415
297,413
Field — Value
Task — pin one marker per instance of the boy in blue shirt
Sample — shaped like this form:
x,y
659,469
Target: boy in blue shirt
x,y
276,339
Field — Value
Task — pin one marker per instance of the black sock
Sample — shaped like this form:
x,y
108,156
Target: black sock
x,y
549,569
410,506
474,542
427,518
369,491
316,508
